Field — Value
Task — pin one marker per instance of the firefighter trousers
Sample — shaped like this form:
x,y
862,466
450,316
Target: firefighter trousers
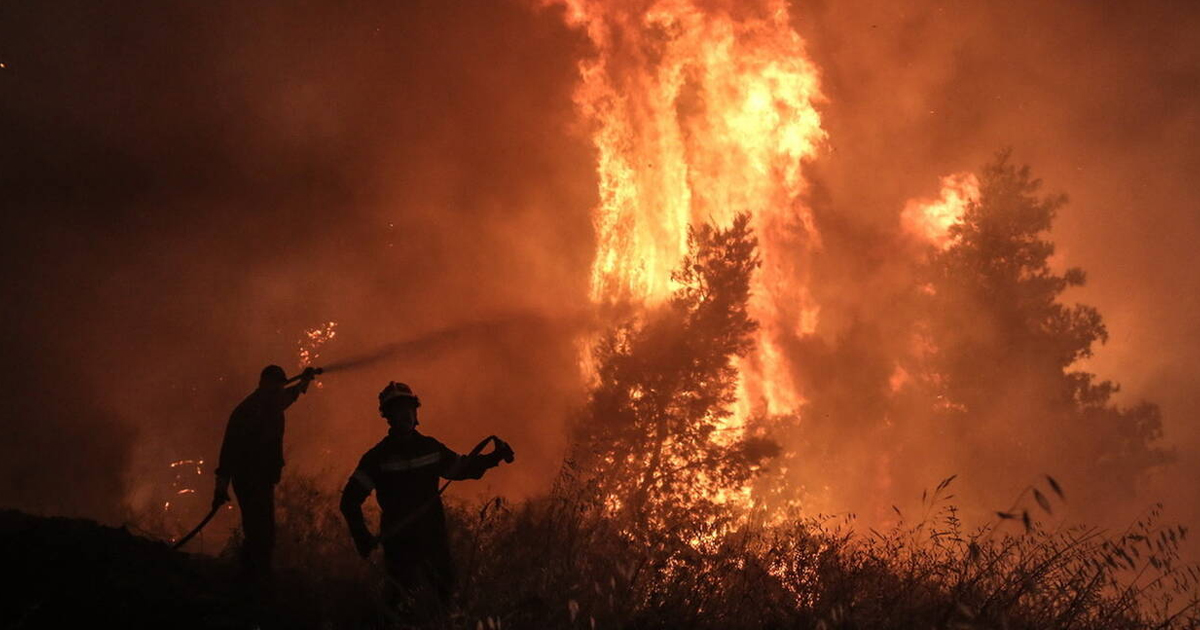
x,y
256,500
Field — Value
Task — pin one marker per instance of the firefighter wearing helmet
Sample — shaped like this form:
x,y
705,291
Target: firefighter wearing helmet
x,y
403,470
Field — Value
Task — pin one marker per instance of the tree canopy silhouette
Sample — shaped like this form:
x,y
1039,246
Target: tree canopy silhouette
x,y
1004,346
975,370
651,438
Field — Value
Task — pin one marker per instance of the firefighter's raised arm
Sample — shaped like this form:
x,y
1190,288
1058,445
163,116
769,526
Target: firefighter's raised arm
x,y
306,378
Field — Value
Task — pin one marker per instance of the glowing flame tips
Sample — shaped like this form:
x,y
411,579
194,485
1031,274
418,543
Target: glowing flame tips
x,y
930,219
700,112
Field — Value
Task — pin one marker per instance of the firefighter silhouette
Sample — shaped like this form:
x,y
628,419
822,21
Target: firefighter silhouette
x,y
403,471
252,458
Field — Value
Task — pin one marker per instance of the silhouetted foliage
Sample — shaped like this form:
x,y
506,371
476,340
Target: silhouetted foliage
x,y
553,562
975,369
650,438
1003,345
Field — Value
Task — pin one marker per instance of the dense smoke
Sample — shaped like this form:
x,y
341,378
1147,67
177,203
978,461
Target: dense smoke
x,y
1094,97
188,188
191,187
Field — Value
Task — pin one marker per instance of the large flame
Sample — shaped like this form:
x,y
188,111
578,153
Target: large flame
x,y
701,111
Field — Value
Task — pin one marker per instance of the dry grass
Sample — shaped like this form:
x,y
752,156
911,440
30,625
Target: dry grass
x,y
556,563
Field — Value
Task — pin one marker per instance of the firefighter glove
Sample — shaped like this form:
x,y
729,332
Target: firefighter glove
x,y
221,492
503,451
365,544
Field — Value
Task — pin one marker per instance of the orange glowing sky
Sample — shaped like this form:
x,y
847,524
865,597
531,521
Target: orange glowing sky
x,y
191,190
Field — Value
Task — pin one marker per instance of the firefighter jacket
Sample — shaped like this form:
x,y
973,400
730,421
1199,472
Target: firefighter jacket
x,y
253,445
404,472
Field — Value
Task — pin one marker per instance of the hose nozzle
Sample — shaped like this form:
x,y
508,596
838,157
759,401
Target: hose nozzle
x,y
309,373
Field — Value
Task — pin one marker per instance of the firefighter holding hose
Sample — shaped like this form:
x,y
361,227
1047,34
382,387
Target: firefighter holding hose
x,y
252,459
403,470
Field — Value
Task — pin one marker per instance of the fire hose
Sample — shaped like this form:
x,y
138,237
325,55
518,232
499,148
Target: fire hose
x,y
192,534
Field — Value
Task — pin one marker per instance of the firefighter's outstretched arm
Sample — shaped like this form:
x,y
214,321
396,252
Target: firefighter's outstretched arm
x,y
473,465
357,489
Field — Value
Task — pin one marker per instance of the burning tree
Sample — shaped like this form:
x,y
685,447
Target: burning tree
x,y
653,439
1004,345
974,370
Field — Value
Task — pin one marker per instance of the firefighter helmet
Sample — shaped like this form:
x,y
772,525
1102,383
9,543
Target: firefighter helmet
x,y
272,375
395,391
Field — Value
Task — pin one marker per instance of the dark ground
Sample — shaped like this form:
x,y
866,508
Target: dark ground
x,y
77,573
